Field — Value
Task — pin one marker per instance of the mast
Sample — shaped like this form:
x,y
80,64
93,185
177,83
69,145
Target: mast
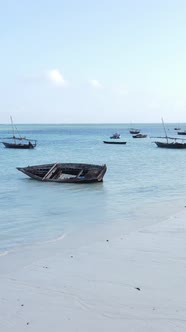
x,y
13,129
164,129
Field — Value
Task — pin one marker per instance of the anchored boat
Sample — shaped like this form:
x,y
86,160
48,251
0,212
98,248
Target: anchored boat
x,y
139,136
134,131
181,132
111,142
170,142
18,142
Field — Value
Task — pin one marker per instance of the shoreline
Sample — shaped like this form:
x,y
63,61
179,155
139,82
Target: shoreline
x,y
131,282
149,214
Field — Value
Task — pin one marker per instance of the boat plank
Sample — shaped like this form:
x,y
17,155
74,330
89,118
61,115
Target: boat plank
x,y
50,172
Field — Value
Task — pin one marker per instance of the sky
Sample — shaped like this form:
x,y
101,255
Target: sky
x,y
93,61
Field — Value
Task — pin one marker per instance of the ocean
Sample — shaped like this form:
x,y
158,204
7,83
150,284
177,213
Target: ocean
x,y
142,184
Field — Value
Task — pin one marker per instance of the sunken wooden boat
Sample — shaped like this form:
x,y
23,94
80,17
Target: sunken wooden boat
x,y
114,142
66,172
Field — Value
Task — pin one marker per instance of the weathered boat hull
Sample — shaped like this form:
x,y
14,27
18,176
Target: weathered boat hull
x,y
173,145
18,145
66,172
111,142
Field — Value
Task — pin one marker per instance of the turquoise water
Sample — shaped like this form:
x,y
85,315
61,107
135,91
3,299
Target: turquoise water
x,y
139,175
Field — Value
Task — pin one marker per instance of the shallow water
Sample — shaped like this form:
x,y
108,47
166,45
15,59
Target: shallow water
x,y
140,178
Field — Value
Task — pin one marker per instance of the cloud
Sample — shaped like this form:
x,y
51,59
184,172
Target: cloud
x,y
55,77
95,84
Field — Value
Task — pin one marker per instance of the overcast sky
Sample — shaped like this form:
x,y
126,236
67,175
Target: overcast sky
x,y
92,61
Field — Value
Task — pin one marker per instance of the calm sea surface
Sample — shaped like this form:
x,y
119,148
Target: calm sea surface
x,y
139,176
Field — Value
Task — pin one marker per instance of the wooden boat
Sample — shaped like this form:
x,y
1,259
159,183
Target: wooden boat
x,y
134,131
115,136
139,136
65,172
31,144
181,132
111,142
170,142
171,145
18,142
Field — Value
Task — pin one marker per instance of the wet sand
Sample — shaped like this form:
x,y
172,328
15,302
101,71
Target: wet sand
x,y
133,282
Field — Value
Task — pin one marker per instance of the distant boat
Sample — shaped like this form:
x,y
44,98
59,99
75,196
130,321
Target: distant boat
x,y
111,142
170,142
177,128
181,132
18,142
16,145
134,131
115,136
171,145
65,172
139,136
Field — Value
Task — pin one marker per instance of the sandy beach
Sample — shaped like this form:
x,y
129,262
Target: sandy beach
x,y
132,282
